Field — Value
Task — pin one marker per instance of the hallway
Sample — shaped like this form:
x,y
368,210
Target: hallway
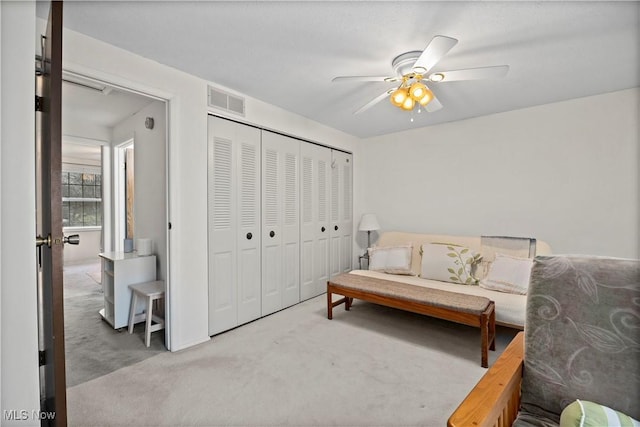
x,y
92,347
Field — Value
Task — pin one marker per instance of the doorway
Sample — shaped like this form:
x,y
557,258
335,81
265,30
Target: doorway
x,y
100,123
124,195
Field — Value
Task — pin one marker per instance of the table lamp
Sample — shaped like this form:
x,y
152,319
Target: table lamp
x,y
369,223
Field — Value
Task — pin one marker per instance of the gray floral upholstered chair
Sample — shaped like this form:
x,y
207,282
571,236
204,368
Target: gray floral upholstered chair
x,y
581,341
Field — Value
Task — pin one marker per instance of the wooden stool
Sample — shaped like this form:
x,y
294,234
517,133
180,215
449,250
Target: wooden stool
x,y
151,291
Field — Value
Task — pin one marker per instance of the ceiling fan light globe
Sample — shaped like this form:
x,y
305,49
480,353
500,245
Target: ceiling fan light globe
x,y
398,97
408,104
418,91
427,98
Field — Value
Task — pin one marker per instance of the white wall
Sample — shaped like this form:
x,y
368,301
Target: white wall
x,y
566,173
149,210
87,250
1,386
187,155
83,130
19,333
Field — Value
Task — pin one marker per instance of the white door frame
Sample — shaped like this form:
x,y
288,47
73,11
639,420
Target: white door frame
x,y
172,120
119,192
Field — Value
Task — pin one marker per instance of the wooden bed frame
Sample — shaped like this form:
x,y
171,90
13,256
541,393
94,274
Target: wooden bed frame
x,y
495,400
484,320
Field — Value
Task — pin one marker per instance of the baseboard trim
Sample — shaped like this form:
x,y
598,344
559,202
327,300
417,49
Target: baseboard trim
x,y
185,346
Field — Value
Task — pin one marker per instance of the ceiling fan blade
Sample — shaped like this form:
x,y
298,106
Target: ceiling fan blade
x,y
364,79
374,101
434,105
470,74
435,50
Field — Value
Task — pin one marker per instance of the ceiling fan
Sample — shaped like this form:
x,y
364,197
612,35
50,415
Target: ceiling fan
x,y
412,70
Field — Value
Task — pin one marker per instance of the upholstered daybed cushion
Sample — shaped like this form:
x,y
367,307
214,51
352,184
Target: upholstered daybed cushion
x,y
395,238
510,308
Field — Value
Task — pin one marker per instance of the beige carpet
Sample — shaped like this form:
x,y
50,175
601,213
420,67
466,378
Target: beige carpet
x,y
93,348
96,276
373,366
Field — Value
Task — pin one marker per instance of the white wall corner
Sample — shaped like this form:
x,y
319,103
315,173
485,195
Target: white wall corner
x,y
19,372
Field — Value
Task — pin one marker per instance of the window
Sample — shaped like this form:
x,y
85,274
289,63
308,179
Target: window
x,y
81,199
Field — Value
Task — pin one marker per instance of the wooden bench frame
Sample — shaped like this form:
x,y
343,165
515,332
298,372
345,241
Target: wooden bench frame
x,y
486,320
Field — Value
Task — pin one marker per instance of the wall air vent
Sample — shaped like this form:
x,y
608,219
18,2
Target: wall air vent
x,y
225,101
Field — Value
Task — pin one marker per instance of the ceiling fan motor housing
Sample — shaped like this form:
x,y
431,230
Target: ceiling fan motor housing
x,y
403,64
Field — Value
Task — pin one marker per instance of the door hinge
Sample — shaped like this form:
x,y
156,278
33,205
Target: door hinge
x,y
39,103
42,359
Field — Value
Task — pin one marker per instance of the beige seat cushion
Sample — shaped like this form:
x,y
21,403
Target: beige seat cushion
x,y
510,308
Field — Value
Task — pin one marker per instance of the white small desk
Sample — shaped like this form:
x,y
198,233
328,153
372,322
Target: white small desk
x,y
119,270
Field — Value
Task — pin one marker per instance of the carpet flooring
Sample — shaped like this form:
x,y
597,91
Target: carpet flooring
x,y
92,347
372,366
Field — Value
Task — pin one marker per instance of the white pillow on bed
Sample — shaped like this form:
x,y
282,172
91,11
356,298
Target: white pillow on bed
x,y
508,274
391,259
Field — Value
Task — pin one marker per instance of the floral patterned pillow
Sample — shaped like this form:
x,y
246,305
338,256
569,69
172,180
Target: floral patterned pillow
x,y
449,263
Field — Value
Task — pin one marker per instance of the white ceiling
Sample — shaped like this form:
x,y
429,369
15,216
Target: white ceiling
x,y
286,53
83,154
89,107
98,104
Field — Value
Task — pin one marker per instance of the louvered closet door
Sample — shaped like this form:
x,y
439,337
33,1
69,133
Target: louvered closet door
x,y
248,234
222,238
234,224
341,212
346,212
280,222
314,229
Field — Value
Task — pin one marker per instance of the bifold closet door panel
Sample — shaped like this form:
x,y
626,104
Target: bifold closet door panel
x,y
291,222
221,200
341,212
233,224
321,252
315,175
249,215
280,222
335,240
346,227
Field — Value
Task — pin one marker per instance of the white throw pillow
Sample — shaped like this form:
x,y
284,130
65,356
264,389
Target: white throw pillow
x,y
391,259
508,274
448,263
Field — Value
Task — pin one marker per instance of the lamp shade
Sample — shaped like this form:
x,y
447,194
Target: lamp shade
x,y
369,222
427,98
418,91
408,104
398,97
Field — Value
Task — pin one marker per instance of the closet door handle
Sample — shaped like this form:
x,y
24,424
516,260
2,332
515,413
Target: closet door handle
x,y
272,233
335,228
249,236
322,229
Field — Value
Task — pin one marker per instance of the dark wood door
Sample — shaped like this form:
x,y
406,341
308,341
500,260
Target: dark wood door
x,y
50,242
